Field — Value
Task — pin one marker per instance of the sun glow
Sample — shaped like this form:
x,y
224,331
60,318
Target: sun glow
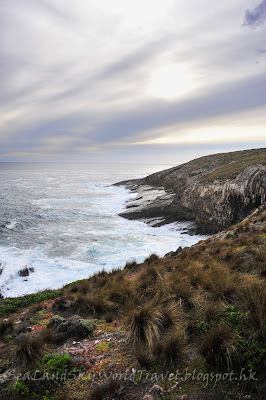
x,y
172,81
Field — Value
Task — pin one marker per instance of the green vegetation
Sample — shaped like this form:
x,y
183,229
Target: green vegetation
x,y
13,304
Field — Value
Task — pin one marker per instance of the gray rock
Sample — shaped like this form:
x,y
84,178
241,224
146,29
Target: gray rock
x,y
215,191
7,376
156,391
25,271
148,396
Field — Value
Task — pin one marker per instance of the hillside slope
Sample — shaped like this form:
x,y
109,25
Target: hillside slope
x,y
125,334
215,191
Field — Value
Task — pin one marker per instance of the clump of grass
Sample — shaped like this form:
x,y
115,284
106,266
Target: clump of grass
x,y
104,390
6,327
148,279
253,299
171,315
94,304
47,335
120,292
144,324
217,346
180,289
170,349
152,259
211,310
109,318
61,304
131,266
144,356
29,350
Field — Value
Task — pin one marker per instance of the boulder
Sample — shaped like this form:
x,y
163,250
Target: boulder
x,y
25,271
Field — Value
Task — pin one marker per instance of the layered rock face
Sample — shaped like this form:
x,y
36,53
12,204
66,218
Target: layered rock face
x,y
215,191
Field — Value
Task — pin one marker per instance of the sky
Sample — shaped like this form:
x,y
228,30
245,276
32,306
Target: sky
x,y
138,81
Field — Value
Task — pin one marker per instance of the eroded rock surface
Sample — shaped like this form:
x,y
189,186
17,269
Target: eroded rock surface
x,y
215,191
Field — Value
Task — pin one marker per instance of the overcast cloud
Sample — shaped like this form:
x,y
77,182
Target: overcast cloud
x,y
257,16
130,81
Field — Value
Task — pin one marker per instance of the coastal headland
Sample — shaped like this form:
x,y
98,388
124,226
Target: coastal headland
x,y
189,325
215,191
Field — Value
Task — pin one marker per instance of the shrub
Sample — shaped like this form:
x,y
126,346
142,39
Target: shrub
x,y
56,364
61,304
251,353
74,327
21,389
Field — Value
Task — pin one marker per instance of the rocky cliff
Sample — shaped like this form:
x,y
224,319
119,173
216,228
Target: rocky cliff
x,y
214,191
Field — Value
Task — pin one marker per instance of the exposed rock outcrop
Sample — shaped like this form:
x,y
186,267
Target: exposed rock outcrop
x,y
25,271
215,191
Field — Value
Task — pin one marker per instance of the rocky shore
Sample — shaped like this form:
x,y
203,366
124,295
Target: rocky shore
x,y
214,191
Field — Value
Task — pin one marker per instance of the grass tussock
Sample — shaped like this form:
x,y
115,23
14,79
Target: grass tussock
x,y
6,326
29,350
144,324
217,347
105,390
170,350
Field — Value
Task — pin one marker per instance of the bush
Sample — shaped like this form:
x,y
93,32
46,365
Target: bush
x,y
21,389
56,365
76,328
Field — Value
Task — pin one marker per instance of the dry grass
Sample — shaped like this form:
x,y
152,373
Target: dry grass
x,y
29,350
170,350
93,304
105,390
217,346
144,324
6,326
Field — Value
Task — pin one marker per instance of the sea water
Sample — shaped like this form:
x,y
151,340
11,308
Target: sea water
x,y
61,220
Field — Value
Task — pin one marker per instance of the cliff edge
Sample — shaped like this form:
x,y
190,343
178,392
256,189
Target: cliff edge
x,y
215,191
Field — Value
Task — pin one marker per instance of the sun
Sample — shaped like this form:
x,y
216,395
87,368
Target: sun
x,y
171,81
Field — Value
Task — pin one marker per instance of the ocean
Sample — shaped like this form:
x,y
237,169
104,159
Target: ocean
x,y
61,221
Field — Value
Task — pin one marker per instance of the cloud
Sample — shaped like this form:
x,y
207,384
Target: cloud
x,y
257,16
77,78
